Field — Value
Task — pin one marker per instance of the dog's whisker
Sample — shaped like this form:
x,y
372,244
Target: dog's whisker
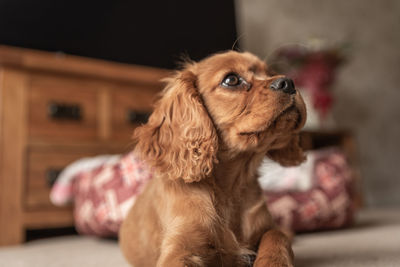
x,y
236,41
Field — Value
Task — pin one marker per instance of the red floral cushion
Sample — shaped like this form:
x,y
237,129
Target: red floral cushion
x,y
104,194
327,205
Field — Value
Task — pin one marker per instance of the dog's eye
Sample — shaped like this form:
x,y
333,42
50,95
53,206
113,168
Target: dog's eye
x,y
232,80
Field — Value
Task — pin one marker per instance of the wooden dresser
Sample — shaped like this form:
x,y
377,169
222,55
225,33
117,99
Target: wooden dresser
x,y
55,109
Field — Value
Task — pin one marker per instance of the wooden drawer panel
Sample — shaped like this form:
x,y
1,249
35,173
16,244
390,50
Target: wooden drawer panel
x,y
40,164
129,109
62,108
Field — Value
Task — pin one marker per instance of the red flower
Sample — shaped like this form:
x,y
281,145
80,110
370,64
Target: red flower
x,y
313,71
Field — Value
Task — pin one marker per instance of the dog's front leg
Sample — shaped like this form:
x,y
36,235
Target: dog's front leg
x,y
182,248
195,249
256,220
274,247
274,250
179,258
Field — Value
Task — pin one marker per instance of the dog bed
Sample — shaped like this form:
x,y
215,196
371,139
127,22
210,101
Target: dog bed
x,y
313,196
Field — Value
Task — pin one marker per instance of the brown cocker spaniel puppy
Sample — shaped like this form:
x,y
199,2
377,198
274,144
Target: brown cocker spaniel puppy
x,y
215,122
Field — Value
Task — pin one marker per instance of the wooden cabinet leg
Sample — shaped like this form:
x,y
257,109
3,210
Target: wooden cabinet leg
x,y
13,116
14,235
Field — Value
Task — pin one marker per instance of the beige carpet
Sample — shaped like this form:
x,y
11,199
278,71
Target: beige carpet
x,y
374,241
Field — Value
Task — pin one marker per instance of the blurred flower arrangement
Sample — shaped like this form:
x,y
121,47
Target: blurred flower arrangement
x,y
313,69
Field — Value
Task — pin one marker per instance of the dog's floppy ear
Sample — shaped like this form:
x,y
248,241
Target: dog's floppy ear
x,y
288,153
179,140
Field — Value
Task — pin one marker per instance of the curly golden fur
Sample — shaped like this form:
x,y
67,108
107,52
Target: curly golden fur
x,y
205,141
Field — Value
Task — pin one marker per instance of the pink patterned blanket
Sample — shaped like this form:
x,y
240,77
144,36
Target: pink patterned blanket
x,y
104,188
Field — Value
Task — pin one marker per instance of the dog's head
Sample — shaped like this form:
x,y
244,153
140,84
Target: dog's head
x,y
225,102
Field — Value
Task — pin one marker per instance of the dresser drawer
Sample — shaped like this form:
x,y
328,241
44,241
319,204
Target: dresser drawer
x,y
62,108
43,167
130,107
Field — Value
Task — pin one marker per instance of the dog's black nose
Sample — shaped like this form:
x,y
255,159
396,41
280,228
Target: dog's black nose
x,y
283,84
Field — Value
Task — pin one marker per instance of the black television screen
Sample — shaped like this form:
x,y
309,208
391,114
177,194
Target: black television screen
x,y
154,33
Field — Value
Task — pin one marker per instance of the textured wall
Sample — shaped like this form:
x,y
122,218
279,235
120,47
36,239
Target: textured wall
x,y
368,87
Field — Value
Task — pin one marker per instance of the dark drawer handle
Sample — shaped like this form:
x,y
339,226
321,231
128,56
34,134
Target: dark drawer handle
x,y
62,111
51,176
137,117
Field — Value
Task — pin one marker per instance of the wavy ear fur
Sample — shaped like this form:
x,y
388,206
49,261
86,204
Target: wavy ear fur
x,y
290,154
179,140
